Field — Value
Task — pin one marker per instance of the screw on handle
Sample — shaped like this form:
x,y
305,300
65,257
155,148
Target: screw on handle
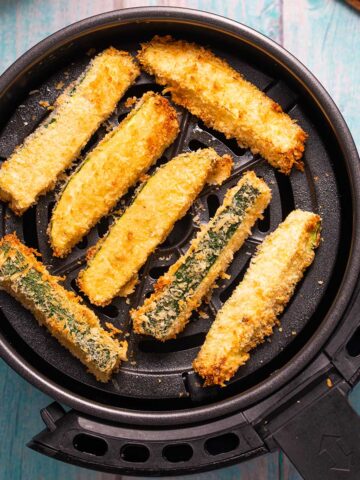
x,y
323,440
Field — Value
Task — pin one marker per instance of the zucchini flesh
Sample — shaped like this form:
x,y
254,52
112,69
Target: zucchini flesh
x,y
163,200
211,89
183,287
252,311
74,325
33,168
108,171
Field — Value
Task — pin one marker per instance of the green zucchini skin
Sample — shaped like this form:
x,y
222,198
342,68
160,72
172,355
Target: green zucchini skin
x,y
161,312
72,323
251,312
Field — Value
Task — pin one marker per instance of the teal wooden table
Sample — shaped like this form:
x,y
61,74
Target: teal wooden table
x,y
323,34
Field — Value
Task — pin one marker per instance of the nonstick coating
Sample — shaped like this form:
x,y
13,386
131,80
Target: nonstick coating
x,y
159,376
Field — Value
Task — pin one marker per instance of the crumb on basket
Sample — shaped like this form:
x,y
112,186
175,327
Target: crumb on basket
x,y
129,102
225,276
144,177
113,330
59,85
44,103
91,52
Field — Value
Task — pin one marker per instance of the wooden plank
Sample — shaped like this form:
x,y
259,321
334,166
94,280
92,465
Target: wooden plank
x,y
325,36
19,421
263,15
265,467
18,34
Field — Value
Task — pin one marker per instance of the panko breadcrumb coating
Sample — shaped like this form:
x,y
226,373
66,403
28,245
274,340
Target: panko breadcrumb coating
x,y
111,168
212,90
252,311
34,167
183,287
164,199
73,324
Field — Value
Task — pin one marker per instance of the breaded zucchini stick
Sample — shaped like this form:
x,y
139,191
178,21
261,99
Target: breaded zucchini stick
x,y
74,325
251,312
224,100
182,289
111,168
163,200
34,166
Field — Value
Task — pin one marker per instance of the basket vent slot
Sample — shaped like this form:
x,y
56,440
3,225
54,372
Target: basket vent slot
x,y
232,144
103,226
196,145
110,311
176,345
213,204
83,244
286,194
162,160
264,223
179,232
180,452
135,453
156,272
89,444
226,293
75,286
90,145
29,222
222,444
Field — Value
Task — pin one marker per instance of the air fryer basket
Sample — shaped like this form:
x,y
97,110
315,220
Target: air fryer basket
x,y
155,417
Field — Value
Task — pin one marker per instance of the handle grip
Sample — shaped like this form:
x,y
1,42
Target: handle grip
x,y
92,443
323,439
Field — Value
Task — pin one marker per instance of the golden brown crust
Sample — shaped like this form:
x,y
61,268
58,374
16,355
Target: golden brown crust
x,y
222,170
224,100
164,199
252,311
194,299
85,318
110,169
34,167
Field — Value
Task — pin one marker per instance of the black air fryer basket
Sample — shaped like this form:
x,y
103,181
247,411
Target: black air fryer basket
x,y
155,418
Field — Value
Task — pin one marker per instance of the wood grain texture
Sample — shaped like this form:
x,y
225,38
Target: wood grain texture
x,y
324,34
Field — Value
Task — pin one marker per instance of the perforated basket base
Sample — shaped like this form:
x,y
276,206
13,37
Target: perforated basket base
x,y
162,371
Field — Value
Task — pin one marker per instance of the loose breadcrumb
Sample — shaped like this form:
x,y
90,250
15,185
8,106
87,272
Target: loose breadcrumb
x,y
113,330
59,85
44,103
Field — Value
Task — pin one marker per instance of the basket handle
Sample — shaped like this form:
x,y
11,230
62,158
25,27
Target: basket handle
x,y
323,439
